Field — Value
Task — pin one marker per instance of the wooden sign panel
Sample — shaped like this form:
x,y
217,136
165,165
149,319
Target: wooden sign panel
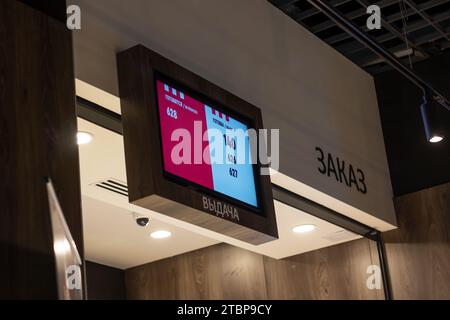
x,y
160,102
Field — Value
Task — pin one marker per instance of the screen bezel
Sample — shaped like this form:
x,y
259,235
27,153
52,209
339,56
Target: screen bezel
x,y
250,123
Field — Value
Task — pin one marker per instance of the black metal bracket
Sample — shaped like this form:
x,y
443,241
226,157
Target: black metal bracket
x,y
383,266
313,208
99,115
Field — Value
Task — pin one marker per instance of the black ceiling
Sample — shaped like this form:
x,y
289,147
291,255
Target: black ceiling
x,y
414,30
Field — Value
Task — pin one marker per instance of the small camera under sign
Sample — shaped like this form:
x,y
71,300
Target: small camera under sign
x,y
141,221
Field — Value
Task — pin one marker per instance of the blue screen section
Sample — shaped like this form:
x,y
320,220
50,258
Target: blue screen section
x,y
231,176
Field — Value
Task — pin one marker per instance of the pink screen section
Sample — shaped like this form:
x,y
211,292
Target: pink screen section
x,y
179,111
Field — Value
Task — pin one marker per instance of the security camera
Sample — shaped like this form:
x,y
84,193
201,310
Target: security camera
x,y
141,220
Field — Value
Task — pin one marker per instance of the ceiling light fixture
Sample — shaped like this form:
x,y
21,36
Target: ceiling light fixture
x,y
84,137
304,228
160,234
427,110
436,139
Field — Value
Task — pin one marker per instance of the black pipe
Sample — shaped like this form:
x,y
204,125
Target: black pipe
x,y
99,115
373,45
315,209
383,267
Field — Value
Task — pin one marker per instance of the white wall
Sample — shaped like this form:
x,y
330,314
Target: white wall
x,y
314,95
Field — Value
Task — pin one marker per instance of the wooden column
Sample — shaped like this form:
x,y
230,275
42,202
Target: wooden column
x,y
37,140
418,252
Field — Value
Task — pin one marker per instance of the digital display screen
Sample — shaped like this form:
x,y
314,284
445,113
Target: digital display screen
x,y
200,145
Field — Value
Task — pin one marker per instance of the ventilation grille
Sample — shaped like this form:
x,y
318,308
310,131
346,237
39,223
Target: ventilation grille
x,y
114,185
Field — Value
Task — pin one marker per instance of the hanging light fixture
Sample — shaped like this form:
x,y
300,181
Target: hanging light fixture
x,y
432,131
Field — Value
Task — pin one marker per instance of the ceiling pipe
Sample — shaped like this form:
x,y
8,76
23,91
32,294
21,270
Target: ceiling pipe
x,y
377,48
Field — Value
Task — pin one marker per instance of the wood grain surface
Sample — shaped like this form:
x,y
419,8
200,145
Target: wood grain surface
x,y
226,272
418,258
418,253
38,140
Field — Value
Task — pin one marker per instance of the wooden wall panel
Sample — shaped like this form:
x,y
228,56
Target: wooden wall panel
x,y
238,273
38,140
217,272
104,282
153,281
242,274
337,272
418,253
418,257
226,272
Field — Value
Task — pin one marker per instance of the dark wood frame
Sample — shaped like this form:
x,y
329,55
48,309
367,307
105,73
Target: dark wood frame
x,y
38,125
147,185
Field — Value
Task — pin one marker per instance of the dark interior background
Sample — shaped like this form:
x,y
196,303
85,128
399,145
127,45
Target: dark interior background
x,y
104,282
53,8
414,163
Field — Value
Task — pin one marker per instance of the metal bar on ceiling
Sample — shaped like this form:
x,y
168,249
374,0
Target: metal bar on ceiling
x,y
367,62
420,41
313,11
359,35
99,115
385,37
350,15
391,27
359,52
397,16
283,3
315,209
427,18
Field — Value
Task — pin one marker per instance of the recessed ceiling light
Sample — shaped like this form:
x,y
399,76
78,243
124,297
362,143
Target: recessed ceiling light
x,y
304,228
436,139
160,234
84,137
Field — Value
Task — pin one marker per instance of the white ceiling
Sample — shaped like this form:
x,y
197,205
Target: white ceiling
x,y
113,238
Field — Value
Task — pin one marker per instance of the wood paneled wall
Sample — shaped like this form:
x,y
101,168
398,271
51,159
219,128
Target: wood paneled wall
x,y
226,272
337,272
104,282
37,140
418,253
418,257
